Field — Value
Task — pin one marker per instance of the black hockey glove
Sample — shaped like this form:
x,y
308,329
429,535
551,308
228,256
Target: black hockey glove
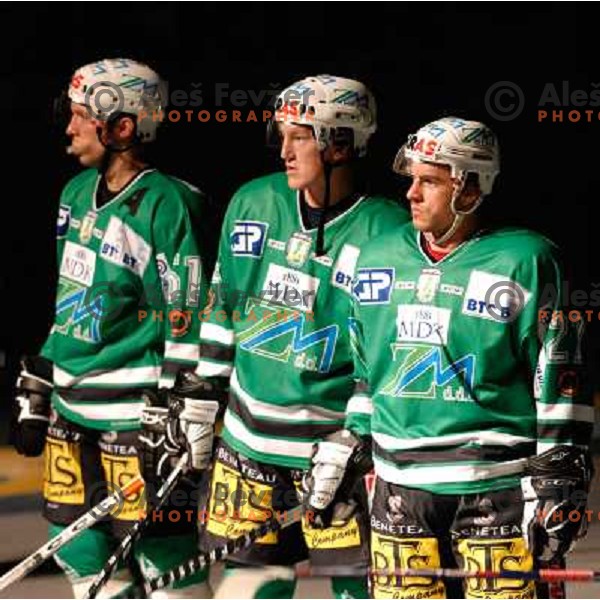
x,y
555,489
340,461
31,409
176,421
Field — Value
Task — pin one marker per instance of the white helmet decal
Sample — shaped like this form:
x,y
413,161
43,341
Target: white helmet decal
x,y
464,146
328,104
119,85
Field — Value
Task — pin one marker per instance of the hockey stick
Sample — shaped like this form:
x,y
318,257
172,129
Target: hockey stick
x,y
544,575
205,559
84,522
136,530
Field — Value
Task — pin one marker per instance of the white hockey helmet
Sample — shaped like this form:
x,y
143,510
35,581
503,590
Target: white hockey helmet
x,y
116,86
464,146
333,106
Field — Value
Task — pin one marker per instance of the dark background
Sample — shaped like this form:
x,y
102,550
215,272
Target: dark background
x,y
421,61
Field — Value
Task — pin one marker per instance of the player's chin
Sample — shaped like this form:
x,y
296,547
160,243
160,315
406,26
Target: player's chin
x,y
295,181
420,224
88,159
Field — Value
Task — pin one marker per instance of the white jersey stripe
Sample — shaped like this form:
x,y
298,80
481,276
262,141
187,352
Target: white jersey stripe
x,y
208,368
266,445
454,473
480,438
122,377
104,411
565,412
294,412
179,351
217,333
360,404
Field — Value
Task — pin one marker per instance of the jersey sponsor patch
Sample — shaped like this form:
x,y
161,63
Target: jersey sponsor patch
x,y
276,244
291,288
393,554
424,372
496,555
345,266
238,506
119,470
428,324
87,226
122,246
63,221
374,286
298,249
428,284
454,290
63,480
248,238
78,263
324,260
287,336
337,537
494,297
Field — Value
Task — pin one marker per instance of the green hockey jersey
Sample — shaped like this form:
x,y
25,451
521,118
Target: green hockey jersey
x,y
465,366
130,284
275,336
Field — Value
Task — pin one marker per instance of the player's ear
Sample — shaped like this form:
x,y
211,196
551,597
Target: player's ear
x,y
340,154
126,128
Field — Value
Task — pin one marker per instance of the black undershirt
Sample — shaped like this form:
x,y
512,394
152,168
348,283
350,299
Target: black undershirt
x,y
104,195
311,216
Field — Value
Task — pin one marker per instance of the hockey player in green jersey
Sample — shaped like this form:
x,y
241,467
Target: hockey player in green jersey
x,y
469,385
275,339
130,267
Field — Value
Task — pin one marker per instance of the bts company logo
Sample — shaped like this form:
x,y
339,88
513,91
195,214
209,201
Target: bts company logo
x,y
248,238
374,286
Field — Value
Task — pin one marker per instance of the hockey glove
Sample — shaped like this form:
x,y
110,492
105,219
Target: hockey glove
x,y
339,462
555,489
32,405
154,451
177,421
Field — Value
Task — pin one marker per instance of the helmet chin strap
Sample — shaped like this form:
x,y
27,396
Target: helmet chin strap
x,y
459,215
109,148
327,170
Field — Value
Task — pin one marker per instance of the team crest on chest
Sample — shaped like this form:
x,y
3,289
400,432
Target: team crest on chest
x,y
428,285
297,249
87,227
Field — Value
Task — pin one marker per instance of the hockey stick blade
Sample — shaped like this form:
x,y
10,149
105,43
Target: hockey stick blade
x,y
135,531
84,522
205,559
